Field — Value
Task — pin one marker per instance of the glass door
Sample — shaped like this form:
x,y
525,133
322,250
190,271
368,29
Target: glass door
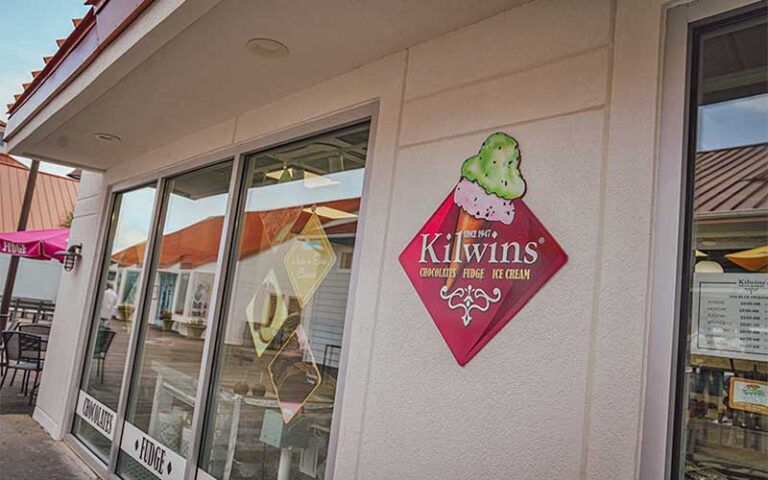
x,y
273,388
722,410
123,266
157,432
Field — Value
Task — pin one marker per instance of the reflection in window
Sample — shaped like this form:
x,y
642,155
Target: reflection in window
x,y
274,385
725,426
105,362
164,383
181,294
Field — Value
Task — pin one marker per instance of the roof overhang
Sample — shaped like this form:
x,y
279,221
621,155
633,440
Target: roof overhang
x,y
151,72
107,44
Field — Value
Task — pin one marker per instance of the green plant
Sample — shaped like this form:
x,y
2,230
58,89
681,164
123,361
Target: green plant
x,y
197,322
167,318
196,327
68,217
126,311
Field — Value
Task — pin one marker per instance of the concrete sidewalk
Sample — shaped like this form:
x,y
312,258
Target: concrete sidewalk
x,y
28,453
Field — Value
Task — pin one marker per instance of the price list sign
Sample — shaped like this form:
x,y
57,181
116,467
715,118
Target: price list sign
x,y
730,315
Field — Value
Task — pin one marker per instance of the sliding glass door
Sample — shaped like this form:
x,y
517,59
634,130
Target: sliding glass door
x,y
722,410
273,390
115,310
157,433
245,289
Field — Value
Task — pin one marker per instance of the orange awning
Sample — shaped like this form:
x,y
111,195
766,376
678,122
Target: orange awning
x,y
198,244
754,260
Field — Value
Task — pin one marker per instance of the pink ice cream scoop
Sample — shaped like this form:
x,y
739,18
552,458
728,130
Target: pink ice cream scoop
x,y
475,201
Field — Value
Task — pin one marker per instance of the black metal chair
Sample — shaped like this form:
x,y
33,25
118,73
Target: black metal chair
x,y
103,341
41,330
23,352
34,328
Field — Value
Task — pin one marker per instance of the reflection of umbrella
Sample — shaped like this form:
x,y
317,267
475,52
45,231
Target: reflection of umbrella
x,y
35,244
754,260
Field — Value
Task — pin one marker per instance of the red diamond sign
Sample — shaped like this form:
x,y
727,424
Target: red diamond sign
x,y
483,254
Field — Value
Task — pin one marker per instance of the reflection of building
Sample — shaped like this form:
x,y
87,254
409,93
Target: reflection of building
x,y
731,202
730,220
187,266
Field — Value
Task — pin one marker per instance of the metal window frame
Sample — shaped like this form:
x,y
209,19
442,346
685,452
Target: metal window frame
x,y
138,334
98,270
218,300
147,280
664,398
697,33
367,111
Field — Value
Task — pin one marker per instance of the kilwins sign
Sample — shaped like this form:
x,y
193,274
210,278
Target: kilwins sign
x,y
483,254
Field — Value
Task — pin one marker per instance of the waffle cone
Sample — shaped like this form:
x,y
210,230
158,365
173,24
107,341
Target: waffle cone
x,y
464,223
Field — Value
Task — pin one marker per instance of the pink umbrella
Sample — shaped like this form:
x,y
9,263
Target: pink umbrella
x,y
35,244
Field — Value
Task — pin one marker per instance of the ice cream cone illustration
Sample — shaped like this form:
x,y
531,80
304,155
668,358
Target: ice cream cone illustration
x,y
490,181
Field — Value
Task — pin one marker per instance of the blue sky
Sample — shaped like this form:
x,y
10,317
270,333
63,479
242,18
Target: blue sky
x,y
743,121
28,32
30,29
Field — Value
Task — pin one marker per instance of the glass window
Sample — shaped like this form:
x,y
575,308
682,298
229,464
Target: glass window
x,y
273,388
723,411
181,295
115,309
167,366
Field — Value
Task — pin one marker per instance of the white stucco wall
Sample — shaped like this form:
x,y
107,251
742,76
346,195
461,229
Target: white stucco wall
x,y
70,326
558,392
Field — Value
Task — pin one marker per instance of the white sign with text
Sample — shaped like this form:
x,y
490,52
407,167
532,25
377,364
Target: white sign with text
x,y
96,414
151,454
730,315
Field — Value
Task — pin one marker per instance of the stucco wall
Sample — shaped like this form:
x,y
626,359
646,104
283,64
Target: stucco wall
x,y
558,392
70,326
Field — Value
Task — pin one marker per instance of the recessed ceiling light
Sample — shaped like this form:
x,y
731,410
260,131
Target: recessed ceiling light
x,y
107,137
267,48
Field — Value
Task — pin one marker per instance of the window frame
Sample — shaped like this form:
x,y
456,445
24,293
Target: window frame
x,y
138,334
367,112
666,351
697,33
100,270
229,270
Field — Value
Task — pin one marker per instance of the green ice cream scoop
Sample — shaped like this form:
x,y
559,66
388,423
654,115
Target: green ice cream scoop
x,y
496,167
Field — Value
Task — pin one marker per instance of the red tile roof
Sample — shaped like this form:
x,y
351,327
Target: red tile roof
x,y
54,197
731,181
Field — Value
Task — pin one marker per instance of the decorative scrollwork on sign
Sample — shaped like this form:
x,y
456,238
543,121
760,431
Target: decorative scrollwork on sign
x,y
469,299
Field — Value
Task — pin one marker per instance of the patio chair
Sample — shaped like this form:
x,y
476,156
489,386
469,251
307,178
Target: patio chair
x,y
103,342
23,352
34,328
38,329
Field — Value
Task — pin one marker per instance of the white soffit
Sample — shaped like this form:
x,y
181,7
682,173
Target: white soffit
x,y
206,74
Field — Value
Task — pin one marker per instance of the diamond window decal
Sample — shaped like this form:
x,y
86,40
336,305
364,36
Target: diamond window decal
x,y
309,259
294,374
266,313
